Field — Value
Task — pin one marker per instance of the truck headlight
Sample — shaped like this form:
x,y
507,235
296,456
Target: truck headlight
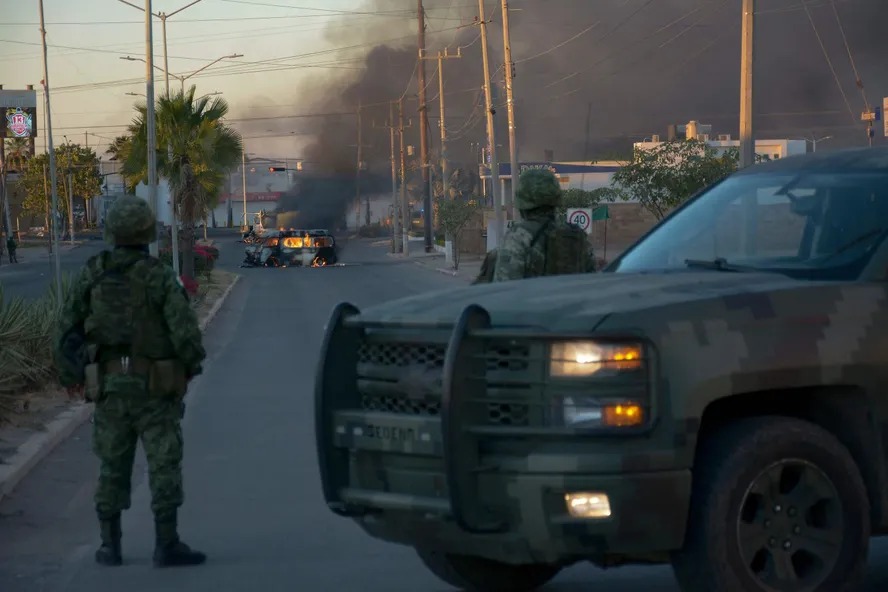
x,y
589,412
587,358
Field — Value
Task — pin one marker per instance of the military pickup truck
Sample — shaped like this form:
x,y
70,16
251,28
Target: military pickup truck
x,y
716,398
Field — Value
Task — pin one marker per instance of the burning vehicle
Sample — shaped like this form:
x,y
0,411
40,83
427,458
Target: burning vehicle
x,y
294,248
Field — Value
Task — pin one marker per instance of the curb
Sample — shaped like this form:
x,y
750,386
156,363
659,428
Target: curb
x,y
39,445
218,304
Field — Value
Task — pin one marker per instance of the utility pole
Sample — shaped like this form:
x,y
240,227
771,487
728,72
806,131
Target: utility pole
x,y
174,218
509,69
396,226
747,135
152,138
4,196
491,131
423,134
445,178
358,176
405,209
396,234
52,165
71,203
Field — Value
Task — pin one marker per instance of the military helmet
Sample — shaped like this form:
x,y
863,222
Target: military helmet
x,y
130,221
537,188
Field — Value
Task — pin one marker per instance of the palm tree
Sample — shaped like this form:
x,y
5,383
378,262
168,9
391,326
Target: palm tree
x,y
18,151
201,151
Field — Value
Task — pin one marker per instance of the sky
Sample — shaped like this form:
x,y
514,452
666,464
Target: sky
x,y
89,81
615,70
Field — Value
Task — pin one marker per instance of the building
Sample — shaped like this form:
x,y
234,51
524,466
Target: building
x,y
266,182
767,149
572,175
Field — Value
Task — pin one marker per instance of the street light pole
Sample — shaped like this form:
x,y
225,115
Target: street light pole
x,y
152,139
174,218
57,263
244,180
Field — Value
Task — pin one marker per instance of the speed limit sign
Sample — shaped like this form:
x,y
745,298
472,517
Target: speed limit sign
x,y
581,217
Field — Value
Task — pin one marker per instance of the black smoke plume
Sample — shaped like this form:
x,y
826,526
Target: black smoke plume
x,y
640,66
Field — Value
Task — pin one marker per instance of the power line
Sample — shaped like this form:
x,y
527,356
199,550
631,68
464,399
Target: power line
x,y
560,45
606,35
850,56
829,61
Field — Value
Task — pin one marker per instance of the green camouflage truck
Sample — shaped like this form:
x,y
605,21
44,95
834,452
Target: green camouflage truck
x,y
716,398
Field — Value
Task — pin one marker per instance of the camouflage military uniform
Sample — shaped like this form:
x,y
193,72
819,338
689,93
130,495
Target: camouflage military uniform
x,y
488,266
523,253
139,345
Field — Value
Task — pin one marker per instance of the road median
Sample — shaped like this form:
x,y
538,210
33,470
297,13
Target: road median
x,y
34,423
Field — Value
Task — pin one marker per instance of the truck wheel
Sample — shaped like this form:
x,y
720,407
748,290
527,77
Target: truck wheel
x,y
777,504
476,574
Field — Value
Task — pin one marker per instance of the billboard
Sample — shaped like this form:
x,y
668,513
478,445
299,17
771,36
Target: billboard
x,y
18,114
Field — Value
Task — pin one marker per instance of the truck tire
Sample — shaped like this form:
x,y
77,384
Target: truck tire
x,y
775,498
476,574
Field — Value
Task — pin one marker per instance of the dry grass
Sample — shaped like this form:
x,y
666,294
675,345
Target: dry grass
x,y
211,290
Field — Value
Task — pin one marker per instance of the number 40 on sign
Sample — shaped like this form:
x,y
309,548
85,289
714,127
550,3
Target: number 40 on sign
x,y
581,217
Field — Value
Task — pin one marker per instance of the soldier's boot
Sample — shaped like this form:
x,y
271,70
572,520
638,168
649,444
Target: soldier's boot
x,y
110,551
169,551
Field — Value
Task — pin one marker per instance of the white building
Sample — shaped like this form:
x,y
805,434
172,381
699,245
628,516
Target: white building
x,y
768,149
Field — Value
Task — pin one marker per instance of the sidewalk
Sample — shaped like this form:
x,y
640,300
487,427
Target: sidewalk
x,y
469,266
31,255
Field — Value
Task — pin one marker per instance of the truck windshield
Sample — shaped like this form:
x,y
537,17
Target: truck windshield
x,y
818,226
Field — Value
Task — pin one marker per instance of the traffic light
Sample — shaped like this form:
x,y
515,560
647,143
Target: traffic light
x,y
276,169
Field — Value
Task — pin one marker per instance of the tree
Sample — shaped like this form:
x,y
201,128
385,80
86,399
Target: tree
x,y
120,150
453,216
664,177
18,151
202,151
82,164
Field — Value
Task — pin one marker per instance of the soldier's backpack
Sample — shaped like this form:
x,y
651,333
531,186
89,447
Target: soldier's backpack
x,y
112,327
565,246
488,266
118,305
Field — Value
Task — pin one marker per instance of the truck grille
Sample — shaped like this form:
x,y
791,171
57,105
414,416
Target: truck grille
x,y
382,366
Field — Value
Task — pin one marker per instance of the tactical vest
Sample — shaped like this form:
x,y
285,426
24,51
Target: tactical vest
x,y
122,318
565,246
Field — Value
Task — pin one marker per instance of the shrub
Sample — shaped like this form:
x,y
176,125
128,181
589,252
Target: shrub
x,y
203,260
27,334
191,286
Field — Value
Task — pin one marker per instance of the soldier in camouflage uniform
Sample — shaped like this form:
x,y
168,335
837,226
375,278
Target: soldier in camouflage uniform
x,y
539,244
129,335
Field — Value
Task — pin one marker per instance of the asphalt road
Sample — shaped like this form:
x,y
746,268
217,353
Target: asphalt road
x,y
253,498
32,276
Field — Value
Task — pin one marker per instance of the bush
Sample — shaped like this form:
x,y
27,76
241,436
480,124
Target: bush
x,y
204,261
27,334
191,286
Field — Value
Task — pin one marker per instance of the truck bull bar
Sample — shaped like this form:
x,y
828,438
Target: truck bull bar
x,y
336,389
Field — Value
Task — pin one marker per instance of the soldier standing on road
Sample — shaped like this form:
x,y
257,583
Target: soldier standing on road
x,y
11,246
539,244
130,337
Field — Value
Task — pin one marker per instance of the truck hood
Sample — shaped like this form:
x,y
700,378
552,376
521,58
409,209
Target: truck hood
x,y
579,302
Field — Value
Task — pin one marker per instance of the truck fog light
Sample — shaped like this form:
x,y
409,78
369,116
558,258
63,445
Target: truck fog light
x,y
588,505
